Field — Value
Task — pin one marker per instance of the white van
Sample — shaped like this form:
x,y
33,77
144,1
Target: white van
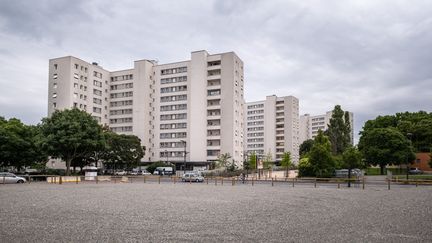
x,y
163,171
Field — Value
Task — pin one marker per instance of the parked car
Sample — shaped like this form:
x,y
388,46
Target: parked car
x,y
133,173
120,172
192,177
9,178
144,172
415,171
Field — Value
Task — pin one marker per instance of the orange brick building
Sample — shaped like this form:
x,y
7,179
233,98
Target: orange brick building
x,y
422,162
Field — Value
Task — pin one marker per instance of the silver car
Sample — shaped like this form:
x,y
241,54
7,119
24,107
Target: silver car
x,y
9,178
192,177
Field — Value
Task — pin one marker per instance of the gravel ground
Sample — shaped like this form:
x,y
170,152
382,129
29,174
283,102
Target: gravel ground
x,y
40,212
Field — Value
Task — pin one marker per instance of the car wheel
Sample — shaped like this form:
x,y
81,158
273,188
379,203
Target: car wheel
x,y
20,181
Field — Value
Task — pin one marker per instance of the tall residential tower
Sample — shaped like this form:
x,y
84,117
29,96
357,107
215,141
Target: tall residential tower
x,y
194,106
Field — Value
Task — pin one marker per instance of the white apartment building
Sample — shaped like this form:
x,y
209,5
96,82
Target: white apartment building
x,y
272,127
194,106
310,125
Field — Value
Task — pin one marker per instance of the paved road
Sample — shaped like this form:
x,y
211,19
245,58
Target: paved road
x,y
138,212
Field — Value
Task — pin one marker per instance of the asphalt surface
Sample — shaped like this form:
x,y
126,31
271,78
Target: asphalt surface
x,y
138,212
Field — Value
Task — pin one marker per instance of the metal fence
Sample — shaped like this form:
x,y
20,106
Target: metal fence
x,y
361,182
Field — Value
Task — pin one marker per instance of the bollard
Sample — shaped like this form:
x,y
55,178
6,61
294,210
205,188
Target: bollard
x,y
29,179
190,181
215,181
416,183
363,183
175,180
60,180
388,183
4,179
207,180
232,181
315,183
293,182
159,180
252,181
222,179
338,184
144,179
272,182
97,181
131,179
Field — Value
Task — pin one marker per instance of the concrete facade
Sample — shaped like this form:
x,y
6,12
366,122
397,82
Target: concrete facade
x,y
310,125
272,127
194,105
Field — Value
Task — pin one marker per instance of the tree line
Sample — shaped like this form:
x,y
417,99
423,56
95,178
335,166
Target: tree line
x,y
73,136
386,140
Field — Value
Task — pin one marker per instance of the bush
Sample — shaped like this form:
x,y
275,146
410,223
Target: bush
x,y
305,168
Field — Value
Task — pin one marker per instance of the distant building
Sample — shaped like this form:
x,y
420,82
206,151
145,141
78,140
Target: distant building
x,y
194,105
272,127
310,125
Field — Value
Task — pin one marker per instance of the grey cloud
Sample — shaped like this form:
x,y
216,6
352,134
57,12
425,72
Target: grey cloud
x,y
368,56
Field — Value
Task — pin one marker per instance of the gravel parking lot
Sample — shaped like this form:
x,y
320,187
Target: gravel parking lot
x,y
207,213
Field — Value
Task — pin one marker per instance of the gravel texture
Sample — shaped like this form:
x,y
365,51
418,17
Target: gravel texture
x,y
184,212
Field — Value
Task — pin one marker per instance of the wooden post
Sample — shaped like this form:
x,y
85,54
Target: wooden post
x,y
60,180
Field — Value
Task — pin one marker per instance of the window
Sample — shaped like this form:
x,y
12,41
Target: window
x,y
54,105
55,66
55,85
76,66
75,95
173,70
55,76
54,95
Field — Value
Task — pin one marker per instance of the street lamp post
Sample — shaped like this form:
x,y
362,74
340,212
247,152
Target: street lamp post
x,y
407,159
184,166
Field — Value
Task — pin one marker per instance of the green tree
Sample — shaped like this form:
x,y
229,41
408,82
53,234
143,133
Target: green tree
x,y
320,156
352,158
384,146
69,134
223,160
19,144
305,168
306,146
416,126
123,152
253,161
339,130
286,162
267,163
232,166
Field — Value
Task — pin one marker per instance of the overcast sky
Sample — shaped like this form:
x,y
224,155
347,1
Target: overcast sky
x,y
371,57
